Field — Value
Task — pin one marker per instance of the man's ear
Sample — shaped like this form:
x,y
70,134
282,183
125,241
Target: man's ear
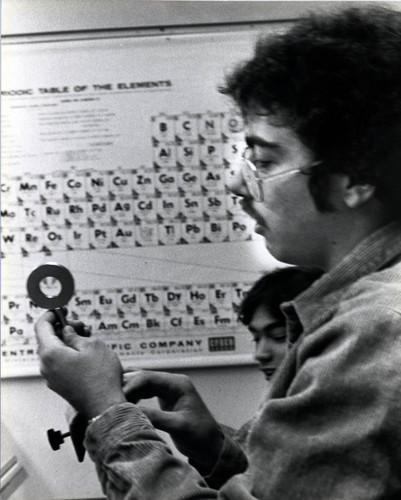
x,y
356,195
350,194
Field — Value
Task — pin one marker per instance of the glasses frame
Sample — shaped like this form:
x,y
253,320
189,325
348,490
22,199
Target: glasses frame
x,y
255,184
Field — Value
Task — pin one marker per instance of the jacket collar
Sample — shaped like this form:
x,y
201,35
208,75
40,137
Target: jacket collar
x,y
317,304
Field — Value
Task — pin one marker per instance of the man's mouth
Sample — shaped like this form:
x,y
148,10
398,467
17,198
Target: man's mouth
x,y
248,208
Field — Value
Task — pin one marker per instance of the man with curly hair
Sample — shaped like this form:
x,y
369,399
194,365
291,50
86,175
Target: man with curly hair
x,y
322,178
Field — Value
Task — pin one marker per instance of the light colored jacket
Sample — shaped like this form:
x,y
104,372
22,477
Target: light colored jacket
x,y
331,428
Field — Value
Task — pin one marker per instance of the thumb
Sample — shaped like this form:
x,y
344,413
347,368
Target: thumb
x,y
71,338
162,420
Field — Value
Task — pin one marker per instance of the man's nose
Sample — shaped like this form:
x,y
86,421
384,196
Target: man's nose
x,y
264,352
236,183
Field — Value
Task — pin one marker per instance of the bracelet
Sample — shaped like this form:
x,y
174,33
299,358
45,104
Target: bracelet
x,y
93,419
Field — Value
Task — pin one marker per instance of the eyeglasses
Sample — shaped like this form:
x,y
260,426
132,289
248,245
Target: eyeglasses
x,y
255,184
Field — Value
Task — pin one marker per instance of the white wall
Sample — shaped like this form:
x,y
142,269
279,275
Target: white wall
x,y
40,16
28,407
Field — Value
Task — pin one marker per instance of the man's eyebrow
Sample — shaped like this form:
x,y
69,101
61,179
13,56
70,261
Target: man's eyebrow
x,y
252,140
273,326
268,328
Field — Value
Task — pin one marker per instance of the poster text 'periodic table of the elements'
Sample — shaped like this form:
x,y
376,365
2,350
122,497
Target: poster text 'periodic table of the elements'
x,y
119,173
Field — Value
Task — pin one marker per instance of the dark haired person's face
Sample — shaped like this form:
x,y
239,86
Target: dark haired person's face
x,y
269,336
294,230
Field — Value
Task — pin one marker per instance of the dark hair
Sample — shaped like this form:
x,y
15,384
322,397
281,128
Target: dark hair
x,y
274,288
336,80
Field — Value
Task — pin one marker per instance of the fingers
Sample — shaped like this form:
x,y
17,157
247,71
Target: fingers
x,y
48,338
148,384
164,421
133,387
71,338
80,328
45,331
129,387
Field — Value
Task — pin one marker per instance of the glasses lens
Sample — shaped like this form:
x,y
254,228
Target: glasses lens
x,y
251,181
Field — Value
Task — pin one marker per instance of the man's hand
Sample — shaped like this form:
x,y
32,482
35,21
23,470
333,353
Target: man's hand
x,y
84,371
183,414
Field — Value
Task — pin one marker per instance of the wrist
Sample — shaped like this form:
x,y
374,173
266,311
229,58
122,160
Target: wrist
x,y
93,419
97,408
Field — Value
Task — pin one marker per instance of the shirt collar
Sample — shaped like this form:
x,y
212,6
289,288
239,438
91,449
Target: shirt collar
x,y
316,305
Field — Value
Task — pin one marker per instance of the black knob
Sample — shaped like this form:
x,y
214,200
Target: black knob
x,y
56,438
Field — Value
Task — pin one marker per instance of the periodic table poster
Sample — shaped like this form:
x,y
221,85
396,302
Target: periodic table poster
x,y
115,151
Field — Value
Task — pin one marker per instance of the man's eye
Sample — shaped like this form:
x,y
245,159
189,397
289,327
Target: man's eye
x,y
263,164
263,167
279,338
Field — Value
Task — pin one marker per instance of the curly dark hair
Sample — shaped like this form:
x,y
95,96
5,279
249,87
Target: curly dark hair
x,y
274,288
336,80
